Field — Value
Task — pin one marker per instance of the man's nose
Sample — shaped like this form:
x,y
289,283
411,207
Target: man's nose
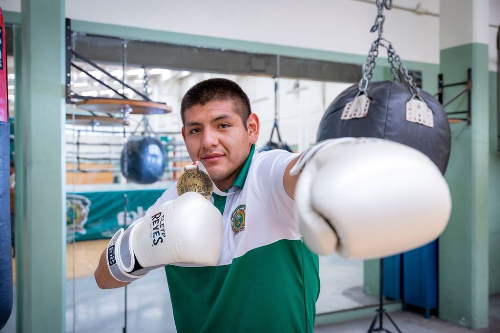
x,y
210,138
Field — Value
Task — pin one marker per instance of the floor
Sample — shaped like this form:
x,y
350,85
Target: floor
x,y
413,323
90,309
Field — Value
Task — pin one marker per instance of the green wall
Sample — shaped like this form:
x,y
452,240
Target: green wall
x,y
494,190
463,247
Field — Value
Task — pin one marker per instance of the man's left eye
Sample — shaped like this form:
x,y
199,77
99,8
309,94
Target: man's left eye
x,y
224,125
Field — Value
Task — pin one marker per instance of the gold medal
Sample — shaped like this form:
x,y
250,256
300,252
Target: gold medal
x,y
195,180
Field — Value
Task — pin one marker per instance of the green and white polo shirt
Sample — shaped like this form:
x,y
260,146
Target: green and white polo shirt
x,y
266,279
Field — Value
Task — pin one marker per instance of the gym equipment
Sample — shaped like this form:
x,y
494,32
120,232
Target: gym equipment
x,y
111,107
143,159
270,145
385,115
123,106
394,111
93,121
389,198
467,89
6,293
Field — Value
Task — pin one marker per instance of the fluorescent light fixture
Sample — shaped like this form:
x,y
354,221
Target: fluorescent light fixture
x,y
157,71
11,86
89,93
127,91
137,72
96,74
95,84
117,73
80,84
11,97
82,74
12,76
106,92
139,81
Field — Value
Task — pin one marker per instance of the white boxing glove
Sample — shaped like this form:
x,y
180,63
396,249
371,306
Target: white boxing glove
x,y
185,230
369,198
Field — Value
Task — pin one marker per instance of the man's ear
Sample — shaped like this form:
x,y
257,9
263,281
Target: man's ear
x,y
253,128
183,133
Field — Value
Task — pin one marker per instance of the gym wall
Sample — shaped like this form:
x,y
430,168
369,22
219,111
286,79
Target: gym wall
x,y
312,27
494,188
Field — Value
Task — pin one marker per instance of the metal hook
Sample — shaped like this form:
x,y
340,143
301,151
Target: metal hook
x,y
386,3
380,19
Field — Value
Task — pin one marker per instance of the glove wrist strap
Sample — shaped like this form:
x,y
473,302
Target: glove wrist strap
x,y
115,261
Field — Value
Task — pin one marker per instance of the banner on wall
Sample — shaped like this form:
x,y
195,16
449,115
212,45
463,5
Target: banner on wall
x,y
98,215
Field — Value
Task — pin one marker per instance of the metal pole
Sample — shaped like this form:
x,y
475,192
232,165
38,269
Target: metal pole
x,y
125,223
381,294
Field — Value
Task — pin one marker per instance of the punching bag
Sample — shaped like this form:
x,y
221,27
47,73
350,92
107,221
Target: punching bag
x,y
387,117
396,111
5,241
143,159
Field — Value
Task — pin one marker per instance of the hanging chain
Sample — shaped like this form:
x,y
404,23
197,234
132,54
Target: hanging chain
x,y
415,90
145,82
369,66
392,57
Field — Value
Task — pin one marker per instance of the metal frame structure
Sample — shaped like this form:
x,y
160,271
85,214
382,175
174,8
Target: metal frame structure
x,y
467,89
71,53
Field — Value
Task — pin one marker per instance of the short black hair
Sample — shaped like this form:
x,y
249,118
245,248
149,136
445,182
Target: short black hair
x,y
217,89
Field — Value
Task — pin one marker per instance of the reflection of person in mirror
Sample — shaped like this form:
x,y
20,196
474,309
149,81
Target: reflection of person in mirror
x,y
12,205
266,279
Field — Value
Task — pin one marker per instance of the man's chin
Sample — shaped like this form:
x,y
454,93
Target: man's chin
x,y
214,173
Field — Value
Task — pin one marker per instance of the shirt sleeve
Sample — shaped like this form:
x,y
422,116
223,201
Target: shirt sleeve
x,y
267,178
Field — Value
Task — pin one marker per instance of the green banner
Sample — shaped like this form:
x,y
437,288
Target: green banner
x,y
98,215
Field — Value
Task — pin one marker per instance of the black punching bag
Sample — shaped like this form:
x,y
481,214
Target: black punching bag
x,y
143,159
386,115
5,243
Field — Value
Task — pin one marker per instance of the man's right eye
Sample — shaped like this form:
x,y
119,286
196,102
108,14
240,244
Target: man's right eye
x,y
194,131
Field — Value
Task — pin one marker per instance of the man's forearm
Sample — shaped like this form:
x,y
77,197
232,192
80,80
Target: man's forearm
x,y
102,276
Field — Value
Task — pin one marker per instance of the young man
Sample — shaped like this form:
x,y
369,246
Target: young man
x,y
266,279
242,267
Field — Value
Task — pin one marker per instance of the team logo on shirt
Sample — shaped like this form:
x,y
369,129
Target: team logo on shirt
x,y
238,219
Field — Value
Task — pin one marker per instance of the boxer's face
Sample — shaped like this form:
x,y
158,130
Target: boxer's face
x,y
215,135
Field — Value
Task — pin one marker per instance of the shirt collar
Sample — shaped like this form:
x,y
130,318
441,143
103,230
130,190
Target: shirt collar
x,y
239,181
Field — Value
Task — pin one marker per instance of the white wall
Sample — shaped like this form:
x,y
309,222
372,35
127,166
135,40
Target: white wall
x,y
492,34
331,25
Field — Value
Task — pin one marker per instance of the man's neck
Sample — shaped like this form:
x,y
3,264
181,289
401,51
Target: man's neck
x,y
225,184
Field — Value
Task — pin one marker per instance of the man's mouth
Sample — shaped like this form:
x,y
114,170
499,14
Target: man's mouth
x,y
212,157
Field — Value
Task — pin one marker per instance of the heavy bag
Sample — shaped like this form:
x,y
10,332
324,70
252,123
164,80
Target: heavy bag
x,y
143,160
5,241
385,116
271,145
